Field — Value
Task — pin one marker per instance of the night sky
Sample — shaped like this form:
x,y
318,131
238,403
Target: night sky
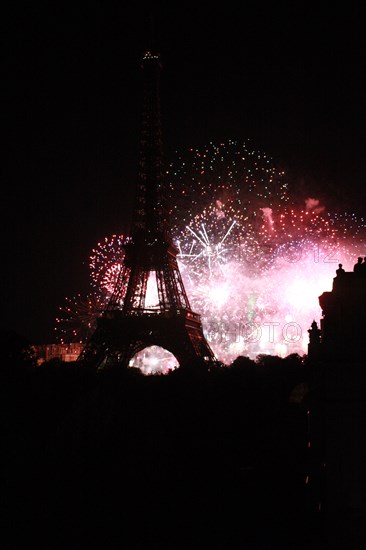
x,y
289,77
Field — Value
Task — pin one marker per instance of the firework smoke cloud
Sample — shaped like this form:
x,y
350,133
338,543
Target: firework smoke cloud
x,y
254,256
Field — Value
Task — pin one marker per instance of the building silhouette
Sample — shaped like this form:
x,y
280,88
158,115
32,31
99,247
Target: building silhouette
x,y
65,352
338,412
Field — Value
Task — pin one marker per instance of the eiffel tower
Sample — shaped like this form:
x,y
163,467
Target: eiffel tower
x,y
129,323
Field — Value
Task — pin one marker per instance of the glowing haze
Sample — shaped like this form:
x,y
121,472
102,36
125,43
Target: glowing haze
x,y
254,256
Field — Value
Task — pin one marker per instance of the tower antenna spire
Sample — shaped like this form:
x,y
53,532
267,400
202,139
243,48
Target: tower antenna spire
x,y
152,33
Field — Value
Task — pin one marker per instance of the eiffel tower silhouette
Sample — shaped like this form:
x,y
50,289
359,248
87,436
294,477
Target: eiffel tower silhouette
x,y
129,323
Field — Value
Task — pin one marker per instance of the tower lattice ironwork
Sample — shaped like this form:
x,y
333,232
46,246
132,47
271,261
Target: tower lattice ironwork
x,y
132,320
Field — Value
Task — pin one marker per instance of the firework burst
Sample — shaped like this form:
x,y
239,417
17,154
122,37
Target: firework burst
x,y
105,265
252,260
233,173
78,315
77,318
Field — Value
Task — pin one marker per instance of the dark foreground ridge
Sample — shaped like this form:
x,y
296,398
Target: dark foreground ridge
x,y
193,459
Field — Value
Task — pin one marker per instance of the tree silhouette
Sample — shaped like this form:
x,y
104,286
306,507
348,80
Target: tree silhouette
x,y
16,351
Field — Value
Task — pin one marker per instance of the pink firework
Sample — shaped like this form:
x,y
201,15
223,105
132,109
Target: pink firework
x,y
253,261
105,265
254,256
77,318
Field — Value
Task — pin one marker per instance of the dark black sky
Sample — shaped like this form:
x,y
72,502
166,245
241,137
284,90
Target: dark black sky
x,y
288,76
